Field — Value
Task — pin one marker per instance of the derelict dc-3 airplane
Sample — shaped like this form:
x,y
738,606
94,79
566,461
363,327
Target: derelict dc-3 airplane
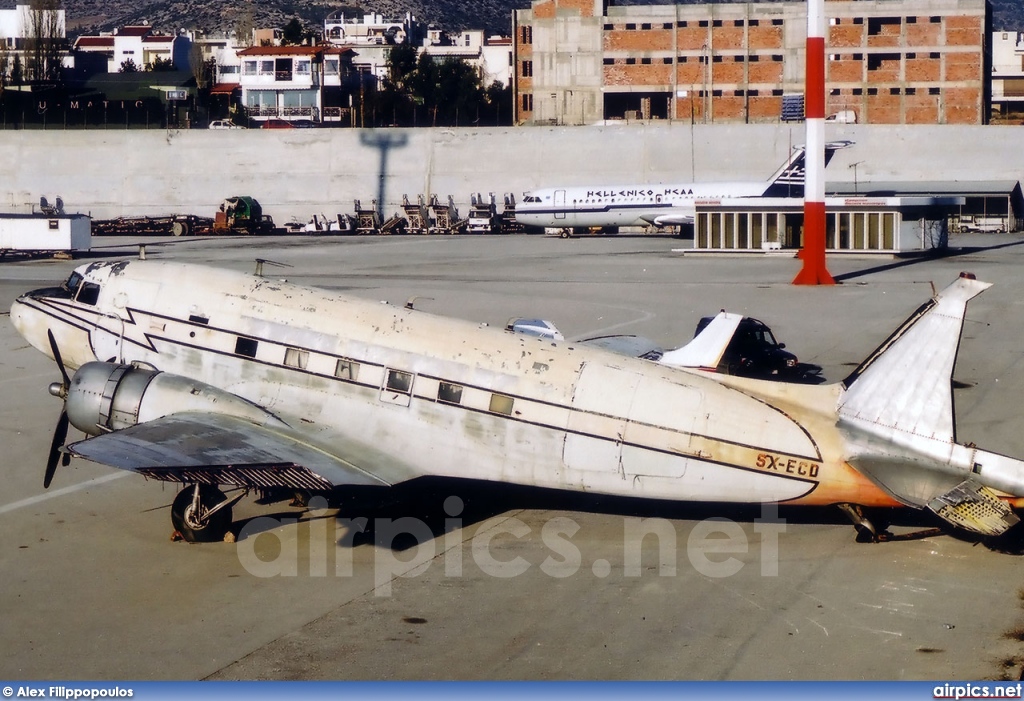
x,y
215,378
569,208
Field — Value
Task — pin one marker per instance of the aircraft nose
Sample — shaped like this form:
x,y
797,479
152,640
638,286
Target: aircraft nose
x,y
29,322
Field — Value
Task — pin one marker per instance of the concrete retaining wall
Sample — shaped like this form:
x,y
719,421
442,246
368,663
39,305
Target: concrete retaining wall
x,y
296,173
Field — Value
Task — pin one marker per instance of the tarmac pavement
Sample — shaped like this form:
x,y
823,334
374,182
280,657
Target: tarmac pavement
x,y
515,583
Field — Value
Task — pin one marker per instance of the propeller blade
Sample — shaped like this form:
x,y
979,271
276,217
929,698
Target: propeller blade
x,y
60,433
56,356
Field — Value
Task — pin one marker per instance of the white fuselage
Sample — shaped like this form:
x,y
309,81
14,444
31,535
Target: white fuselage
x,y
636,205
479,403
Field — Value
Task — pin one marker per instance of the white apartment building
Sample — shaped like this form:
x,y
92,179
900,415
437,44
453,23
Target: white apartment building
x,y
1007,73
138,43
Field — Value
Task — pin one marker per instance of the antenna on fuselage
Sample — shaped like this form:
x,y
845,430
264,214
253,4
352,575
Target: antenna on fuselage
x,y
261,261
409,304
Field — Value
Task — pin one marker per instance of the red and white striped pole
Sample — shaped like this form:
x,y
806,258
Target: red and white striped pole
x,y
814,271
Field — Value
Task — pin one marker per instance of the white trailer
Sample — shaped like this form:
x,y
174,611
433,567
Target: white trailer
x,y
45,233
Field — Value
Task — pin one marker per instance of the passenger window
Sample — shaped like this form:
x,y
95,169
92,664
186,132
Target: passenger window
x,y
501,404
399,381
346,369
246,347
89,293
449,393
293,357
397,388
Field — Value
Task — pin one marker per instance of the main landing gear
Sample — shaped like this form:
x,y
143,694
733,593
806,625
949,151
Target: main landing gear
x,y
201,513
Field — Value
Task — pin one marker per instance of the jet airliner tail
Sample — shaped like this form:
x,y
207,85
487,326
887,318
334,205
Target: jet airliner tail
x,y
788,180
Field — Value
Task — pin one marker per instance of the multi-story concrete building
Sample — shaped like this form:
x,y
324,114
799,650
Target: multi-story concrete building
x,y
492,56
139,44
889,61
294,82
1007,75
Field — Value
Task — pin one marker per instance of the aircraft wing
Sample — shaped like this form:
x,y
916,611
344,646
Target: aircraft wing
x,y
707,347
210,448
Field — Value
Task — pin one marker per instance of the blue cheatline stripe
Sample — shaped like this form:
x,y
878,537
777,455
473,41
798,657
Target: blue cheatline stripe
x,y
500,691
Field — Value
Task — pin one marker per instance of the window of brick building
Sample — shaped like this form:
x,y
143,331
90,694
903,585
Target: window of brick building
x,y
527,69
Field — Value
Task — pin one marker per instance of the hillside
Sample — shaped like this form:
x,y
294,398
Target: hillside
x,y
221,15
85,16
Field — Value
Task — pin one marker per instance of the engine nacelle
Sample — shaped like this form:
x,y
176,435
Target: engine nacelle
x,y
106,397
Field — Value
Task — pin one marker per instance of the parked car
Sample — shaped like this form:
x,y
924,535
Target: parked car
x,y
754,352
277,124
224,124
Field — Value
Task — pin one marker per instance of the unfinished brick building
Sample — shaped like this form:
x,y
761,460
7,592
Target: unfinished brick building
x,y
888,62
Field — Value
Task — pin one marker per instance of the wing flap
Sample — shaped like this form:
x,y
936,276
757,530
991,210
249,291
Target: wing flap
x,y
204,447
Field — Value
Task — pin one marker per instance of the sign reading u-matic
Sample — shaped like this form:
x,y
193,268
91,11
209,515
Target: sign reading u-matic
x,y
43,105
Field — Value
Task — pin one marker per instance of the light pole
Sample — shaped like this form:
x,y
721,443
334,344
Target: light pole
x,y
856,189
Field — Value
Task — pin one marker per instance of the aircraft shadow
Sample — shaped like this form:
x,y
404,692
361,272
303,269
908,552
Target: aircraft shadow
x,y
424,500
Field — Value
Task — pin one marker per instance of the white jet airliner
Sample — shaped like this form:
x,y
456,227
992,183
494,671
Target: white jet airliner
x,y
660,205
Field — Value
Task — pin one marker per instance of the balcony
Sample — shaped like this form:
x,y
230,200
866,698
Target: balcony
x,y
309,112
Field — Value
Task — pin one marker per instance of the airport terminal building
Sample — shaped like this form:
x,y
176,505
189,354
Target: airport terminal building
x,y
888,62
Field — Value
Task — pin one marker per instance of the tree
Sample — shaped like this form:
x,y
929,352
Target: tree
x,y
5,63
161,65
401,63
244,26
293,32
203,70
17,73
128,66
45,41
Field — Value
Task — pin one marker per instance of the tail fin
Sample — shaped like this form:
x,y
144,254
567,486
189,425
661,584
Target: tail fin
x,y
904,390
788,180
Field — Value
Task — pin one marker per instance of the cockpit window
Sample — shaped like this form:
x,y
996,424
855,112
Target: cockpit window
x,y
89,293
73,283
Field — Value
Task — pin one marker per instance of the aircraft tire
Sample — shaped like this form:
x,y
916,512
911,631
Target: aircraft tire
x,y
565,234
193,530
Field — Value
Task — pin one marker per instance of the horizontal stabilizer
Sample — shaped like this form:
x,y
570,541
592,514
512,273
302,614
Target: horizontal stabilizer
x,y
976,508
707,347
